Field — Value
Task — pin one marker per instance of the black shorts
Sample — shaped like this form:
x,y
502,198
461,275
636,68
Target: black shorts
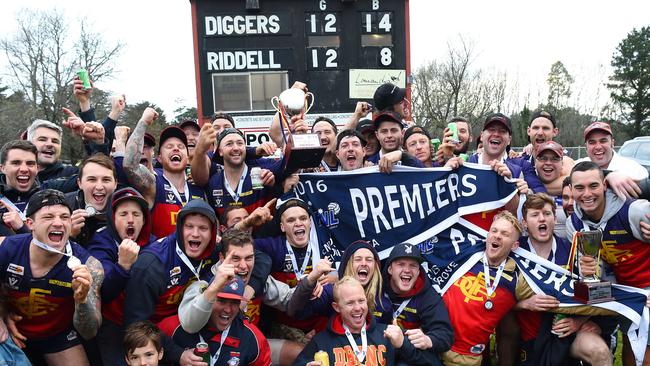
x,y
55,343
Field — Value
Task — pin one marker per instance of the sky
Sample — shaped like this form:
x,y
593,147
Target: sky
x,y
521,38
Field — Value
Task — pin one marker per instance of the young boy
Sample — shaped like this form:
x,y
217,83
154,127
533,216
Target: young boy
x,y
142,344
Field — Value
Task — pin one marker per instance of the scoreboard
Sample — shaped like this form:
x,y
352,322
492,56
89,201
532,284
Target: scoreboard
x,y
247,51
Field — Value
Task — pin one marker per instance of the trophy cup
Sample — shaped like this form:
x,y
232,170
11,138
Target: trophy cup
x,y
591,289
301,150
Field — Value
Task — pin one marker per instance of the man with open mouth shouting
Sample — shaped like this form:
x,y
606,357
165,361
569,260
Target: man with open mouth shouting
x,y
116,246
230,336
418,310
586,343
354,337
165,268
166,190
53,284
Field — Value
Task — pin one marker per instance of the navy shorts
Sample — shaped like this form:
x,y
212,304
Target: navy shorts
x,y
55,343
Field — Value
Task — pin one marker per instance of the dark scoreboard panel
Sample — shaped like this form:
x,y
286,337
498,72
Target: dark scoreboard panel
x,y
247,51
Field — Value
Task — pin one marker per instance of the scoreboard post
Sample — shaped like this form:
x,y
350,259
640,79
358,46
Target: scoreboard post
x,y
247,51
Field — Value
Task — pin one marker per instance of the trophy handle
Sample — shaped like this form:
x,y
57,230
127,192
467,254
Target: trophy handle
x,y
311,104
275,102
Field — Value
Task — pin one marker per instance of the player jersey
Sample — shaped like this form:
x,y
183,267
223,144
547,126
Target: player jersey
x,y
466,300
627,255
282,269
221,195
167,204
243,345
530,321
46,303
160,272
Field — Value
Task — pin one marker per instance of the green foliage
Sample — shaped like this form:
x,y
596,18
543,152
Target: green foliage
x,y
630,83
132,114
183,113
559,85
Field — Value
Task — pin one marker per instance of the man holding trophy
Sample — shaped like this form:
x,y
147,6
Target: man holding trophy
x,y
603,220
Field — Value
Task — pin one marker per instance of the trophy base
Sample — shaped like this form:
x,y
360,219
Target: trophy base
x,y
592,292
302,151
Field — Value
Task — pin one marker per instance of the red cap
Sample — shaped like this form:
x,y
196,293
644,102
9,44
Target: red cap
x,y
598,126
550,145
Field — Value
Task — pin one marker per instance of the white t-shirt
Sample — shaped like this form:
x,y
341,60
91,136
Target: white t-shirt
x,y
624,165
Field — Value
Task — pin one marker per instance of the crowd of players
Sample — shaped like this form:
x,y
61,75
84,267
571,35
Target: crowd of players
x,y
135,258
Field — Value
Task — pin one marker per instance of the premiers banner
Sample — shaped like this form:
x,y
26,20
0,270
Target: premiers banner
x,y
409,205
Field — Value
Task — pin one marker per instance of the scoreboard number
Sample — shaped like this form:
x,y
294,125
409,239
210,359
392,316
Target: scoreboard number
x,y
386,56
330,56
379,22
322,23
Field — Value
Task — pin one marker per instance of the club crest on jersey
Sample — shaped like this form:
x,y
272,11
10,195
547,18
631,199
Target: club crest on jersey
x,y
16,269
13,281
217,195
234,361
288,267
170,197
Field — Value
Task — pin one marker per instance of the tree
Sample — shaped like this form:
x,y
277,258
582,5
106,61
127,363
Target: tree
x,y
133,112
452,87
182,113
630,84
43,57
559,86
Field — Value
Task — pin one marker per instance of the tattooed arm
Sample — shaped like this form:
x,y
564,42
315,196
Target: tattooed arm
x,y
138,175
86,282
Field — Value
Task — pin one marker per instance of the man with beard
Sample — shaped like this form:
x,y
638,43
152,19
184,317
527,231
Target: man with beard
x,y
97,180
586,343
496,136
232,185
326,130
231,338
350,150
116,246
47,136
164,269
354,326
449,148
599,141
542,129
474,319
166,190
53,284
417,309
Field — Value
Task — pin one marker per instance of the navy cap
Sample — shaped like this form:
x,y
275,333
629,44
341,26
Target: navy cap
x,y
149,140
388,116
46,197
169,132
233,289
405,250
189,123
365,125
499,118
388,95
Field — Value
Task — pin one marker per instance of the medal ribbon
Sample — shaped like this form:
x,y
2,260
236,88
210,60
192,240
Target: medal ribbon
x,y
553,249
361,354
489,289
294,262
187,262
215,356
401,307
235,196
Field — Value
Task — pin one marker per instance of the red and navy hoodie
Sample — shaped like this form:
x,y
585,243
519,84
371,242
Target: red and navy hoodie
x,y
244,344
380,351
45,303
104,246
159,276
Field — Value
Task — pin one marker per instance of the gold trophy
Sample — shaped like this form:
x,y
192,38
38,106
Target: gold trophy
x,y
591,289
301,150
